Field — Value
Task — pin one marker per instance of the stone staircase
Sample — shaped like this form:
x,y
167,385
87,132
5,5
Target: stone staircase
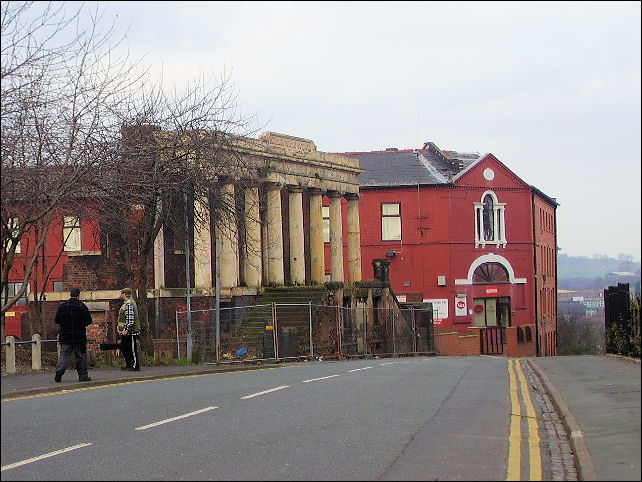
x,y
292,320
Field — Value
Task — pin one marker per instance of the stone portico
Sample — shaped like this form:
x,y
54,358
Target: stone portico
x,y
285,174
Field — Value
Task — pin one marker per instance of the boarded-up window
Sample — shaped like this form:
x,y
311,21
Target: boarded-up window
x,y
391,222
325,212
71,233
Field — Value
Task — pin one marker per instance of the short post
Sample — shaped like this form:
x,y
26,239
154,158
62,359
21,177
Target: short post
x,y
36,353
10,354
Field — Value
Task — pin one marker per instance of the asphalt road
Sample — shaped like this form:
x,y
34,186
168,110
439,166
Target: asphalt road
x,y
390,419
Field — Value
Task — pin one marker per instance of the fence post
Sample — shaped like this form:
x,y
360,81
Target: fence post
x,y
311,345
394,342
274,333
414,330
10,354
36,353
339,334
178,342
365,330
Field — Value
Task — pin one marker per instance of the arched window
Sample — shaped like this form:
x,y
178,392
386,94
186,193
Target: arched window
x,y
489,221
490,273
489,218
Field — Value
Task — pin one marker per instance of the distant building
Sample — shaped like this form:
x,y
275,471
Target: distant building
x,y
625,277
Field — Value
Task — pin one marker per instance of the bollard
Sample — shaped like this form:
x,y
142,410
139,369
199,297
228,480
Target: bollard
x,y
36,353
10,354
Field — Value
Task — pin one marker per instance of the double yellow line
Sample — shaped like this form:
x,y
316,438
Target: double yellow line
x,y
517,387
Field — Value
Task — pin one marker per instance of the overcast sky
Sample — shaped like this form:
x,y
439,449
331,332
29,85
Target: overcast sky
x,y
551,89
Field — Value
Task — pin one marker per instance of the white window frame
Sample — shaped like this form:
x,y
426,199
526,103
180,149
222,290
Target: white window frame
x,y
71,235
14,223
13,287
325,213
499,222
387,220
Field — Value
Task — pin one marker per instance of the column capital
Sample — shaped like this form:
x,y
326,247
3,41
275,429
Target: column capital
x,y
273,186
294,189
334,194
352,196
314,190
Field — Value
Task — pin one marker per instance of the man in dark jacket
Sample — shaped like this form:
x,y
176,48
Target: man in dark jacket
x,y
73,317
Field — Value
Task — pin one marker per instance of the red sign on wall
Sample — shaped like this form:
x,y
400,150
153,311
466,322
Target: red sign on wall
x,y
492,290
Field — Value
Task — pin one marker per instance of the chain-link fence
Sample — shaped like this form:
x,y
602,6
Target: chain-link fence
x,y
301,330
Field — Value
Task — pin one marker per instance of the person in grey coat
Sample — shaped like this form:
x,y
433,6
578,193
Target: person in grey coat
x,y
73,317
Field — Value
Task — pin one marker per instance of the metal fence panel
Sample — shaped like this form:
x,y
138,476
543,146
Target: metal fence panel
x,y
298,330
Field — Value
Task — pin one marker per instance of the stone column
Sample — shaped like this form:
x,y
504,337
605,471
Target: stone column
x,y
252,251
226,226
354,239
317,252
159,260
202,244
297,255
336,237
275,236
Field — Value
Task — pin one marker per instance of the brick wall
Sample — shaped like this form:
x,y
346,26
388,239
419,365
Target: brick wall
x,y
97,332
514,348
456,344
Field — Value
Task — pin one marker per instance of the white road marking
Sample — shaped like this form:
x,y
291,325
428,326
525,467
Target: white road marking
x,y
389,363
358,369
322,378
45,456
155,424
257,394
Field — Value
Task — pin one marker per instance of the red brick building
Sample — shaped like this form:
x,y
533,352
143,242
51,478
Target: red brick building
x,y
465,233
461,231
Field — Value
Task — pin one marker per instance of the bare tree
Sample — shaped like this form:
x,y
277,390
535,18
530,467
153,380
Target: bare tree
x,y
177,147
60,83
86,132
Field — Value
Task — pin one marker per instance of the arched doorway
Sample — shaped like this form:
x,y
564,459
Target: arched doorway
x,y
491,310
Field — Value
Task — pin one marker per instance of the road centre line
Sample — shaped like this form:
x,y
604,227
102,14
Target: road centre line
x,y
389,363
321,378
45,456
173,419
257,394
359,369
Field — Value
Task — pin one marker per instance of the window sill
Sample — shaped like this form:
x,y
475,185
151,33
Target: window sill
x,y
83,253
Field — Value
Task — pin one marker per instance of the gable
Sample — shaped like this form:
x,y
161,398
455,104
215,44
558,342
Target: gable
x,y
489,172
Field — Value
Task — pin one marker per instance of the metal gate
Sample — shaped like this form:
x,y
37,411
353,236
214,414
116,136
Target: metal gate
x,y
492,340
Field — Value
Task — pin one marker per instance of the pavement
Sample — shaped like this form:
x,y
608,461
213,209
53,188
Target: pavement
x,y
596,397
598,400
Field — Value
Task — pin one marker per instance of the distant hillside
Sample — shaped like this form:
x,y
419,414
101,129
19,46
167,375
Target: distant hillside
x,y
581,272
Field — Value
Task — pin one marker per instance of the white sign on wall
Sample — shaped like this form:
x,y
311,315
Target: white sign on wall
x,y
461,308
441,307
